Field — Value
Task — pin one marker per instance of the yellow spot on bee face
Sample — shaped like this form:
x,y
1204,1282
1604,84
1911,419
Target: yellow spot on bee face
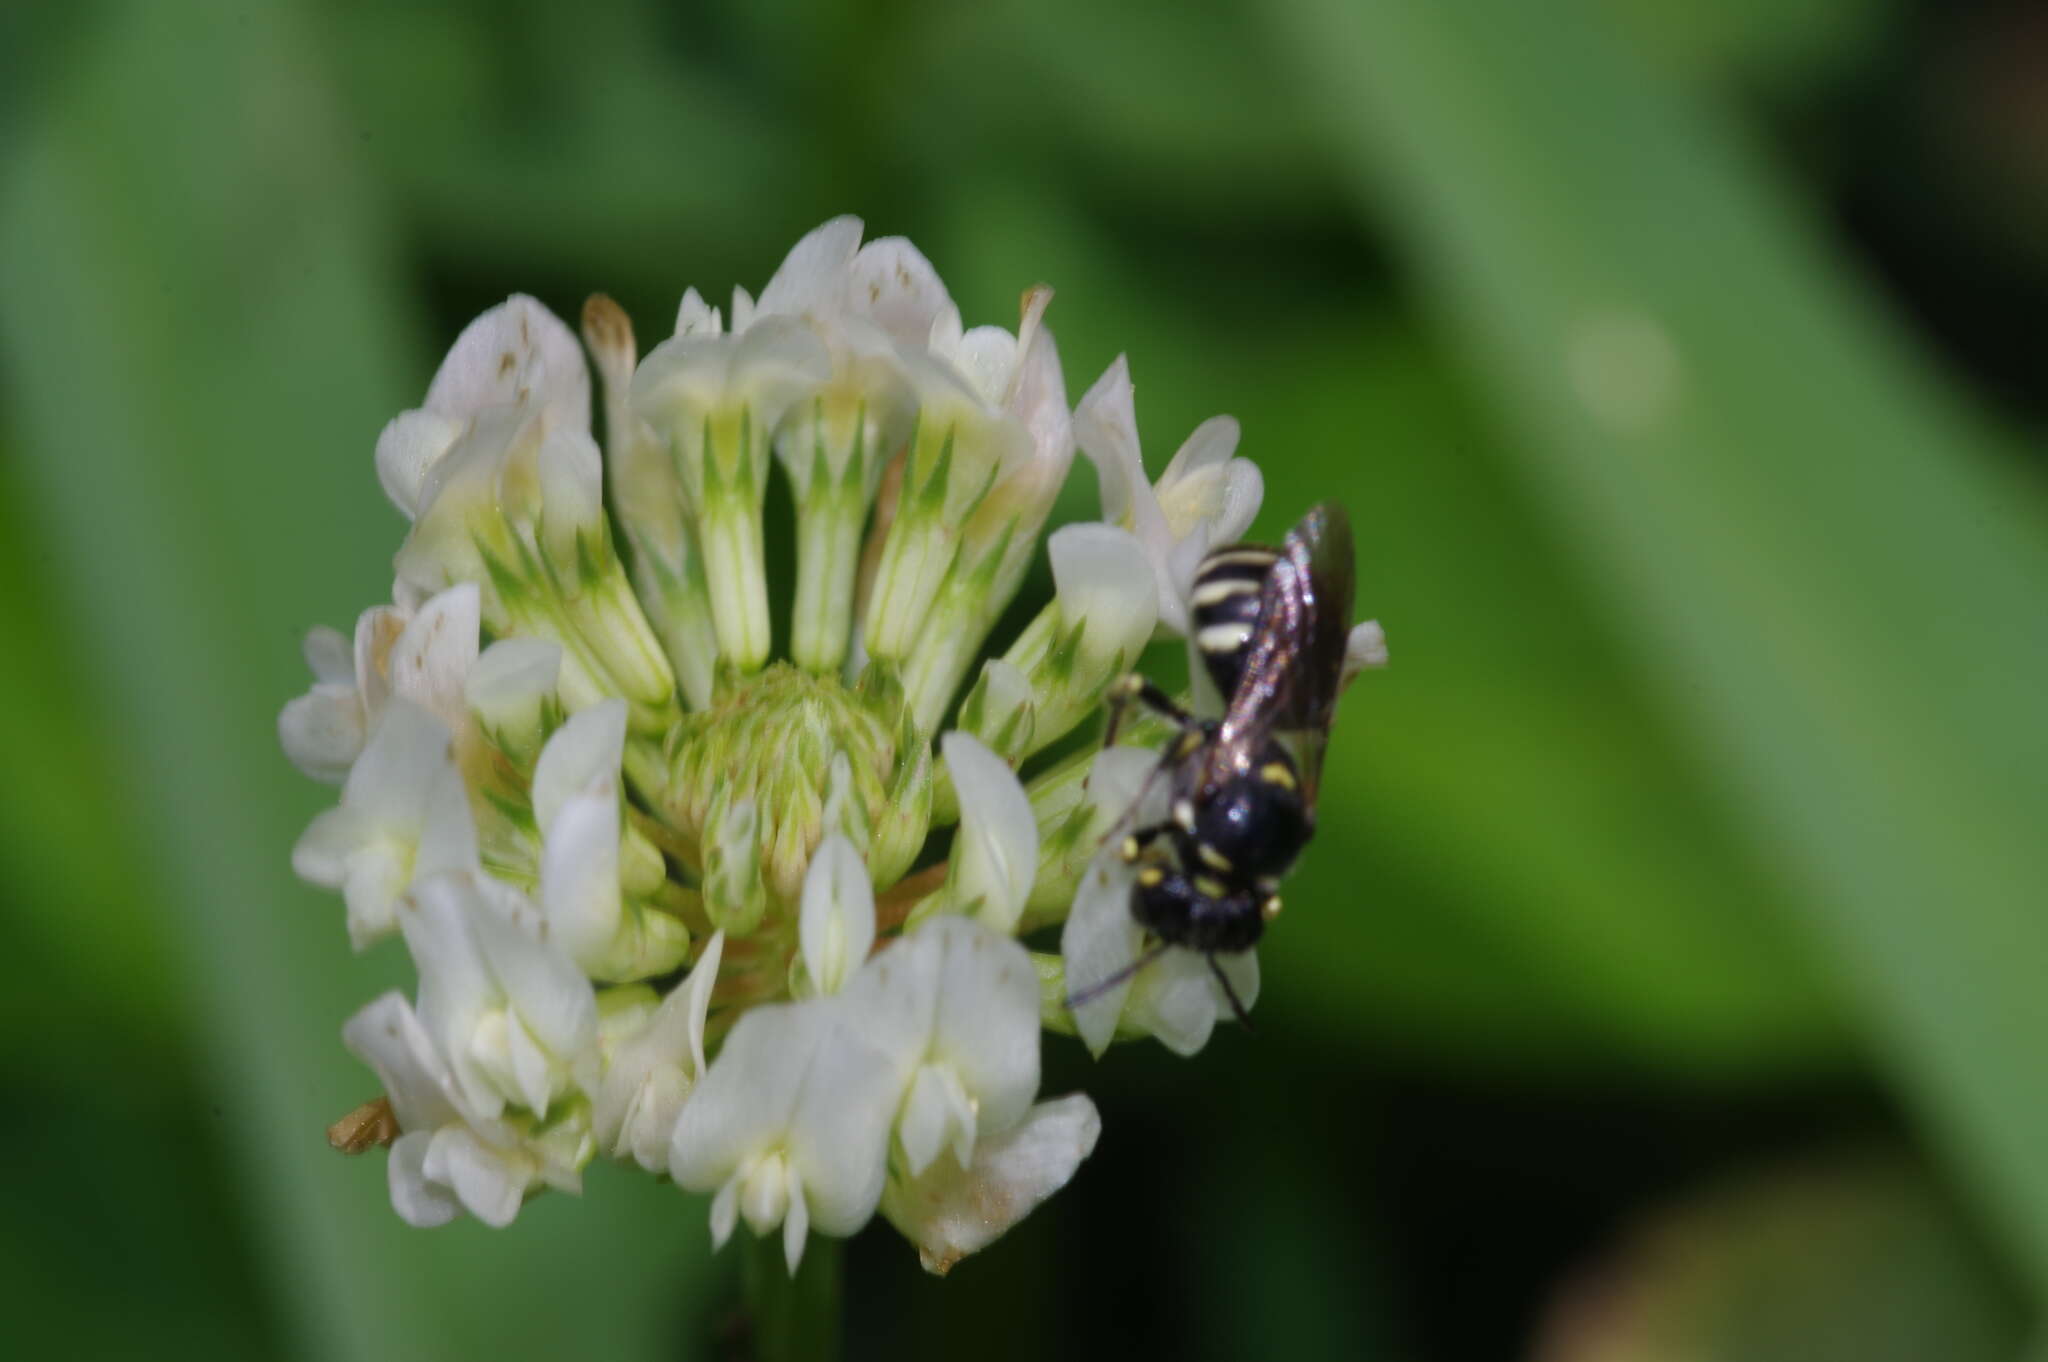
x,y
1129,850
1212,857
1151,876
1276,773
1209,887
1270,909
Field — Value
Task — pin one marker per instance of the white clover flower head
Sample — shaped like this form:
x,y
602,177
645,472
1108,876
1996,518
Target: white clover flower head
x,y
728,897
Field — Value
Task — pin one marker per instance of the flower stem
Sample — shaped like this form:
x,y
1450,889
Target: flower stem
x,y
792,1319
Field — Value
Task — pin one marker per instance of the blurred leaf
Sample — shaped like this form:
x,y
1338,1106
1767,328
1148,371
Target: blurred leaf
x,y
1836,590
585,140
1787,45
1860,1260
1150,98
88,942
202,338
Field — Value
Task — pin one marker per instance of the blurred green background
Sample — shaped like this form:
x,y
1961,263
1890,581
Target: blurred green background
x,y
1671,978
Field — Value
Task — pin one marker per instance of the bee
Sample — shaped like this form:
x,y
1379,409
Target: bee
x,y
1269,627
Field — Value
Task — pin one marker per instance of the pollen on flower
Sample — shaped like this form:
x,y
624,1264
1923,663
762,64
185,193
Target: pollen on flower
x,y
720,894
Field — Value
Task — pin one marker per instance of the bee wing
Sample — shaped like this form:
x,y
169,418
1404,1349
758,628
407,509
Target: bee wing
x,y
1294,665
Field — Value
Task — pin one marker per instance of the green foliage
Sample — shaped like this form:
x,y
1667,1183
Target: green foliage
x,y
1831,584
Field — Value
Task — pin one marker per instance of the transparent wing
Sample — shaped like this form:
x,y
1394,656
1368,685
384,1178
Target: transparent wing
x,y
1295,662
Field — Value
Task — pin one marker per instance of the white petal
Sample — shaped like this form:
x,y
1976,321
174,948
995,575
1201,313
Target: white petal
x,y
839,1133
377,875
987,359
996,852
322,853
1106,428
810,279
725,1206
585,749
399,768
322,731
1175,999
1103,576
1038,392
796,1227
387,1036
892,283
1244,489
946,333
579,875
514,353
697,989
455,986
777,361
893,1001
952,1212
571,492
409,446
511,673
652,1071
1366,647
750,1093
985,1026
764,1196
546,989
1242,969
377,632
1099,942
742,309
633,1110
1121,777
448,835
328,657
937,1112
696,317
836,922
1008,691
421,1203
1210,444
489,1182
531,1077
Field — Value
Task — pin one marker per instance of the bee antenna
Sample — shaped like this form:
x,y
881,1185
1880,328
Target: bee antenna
x,y
1096,990
1244,1018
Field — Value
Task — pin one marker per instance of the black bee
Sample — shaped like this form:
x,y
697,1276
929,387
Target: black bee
x,y
1270,628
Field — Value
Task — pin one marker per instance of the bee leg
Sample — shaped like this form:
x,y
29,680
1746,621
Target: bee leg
x,y
1126,823
1140,690
1102,986
1244,1018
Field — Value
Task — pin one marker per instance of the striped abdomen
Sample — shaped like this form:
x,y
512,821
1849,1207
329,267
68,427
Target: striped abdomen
x,y
1223,609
